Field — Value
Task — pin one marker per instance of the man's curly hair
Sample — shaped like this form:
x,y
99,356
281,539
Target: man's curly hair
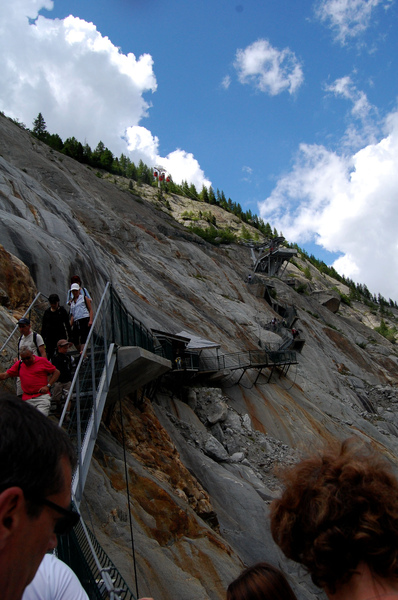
x,y
338,510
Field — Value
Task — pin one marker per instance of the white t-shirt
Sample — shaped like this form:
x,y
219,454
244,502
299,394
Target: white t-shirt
x,y
54,580
78,309
27,343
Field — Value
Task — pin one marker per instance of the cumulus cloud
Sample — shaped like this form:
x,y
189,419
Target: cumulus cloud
x,y
141,142
268,69
77,78
183,166
346,204
347,18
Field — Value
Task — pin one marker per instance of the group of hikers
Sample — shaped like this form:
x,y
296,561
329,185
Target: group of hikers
x,y
43,367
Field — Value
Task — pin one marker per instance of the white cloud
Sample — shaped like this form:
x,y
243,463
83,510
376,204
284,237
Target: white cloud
x,y
345,88
268,69
141,143
248,172
183,166
362,111
226,82
347,18
347,204
77,78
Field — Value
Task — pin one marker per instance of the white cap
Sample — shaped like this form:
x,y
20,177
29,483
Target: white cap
x,y
74,286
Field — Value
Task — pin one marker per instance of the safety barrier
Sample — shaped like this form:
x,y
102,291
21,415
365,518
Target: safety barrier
x,y
95,570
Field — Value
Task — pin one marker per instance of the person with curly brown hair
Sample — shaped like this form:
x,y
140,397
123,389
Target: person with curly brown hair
x,y
262,581
338,516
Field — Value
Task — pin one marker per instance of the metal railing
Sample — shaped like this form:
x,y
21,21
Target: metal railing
x,y
86,398
129,331
112,326
246,360
95,570
9,348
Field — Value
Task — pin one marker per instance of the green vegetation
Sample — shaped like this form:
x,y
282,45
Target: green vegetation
x,y
387,332
213,235
246,235
312,314
343,297
189,215
301,288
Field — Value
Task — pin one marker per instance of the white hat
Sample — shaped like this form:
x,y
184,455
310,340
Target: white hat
x,y
74,286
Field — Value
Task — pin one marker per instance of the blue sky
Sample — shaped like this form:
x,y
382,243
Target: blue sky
x,y
288,107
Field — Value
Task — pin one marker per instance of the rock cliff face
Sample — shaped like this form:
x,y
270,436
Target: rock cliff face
x,y
200,455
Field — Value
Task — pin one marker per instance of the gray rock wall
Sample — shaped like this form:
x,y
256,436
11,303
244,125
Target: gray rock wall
x,y
59,218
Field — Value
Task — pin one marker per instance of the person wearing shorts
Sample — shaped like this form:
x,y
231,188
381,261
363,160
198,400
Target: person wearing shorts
x,y
81,312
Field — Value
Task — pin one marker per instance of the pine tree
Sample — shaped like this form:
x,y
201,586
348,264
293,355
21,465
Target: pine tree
x,y
106,160
73,148
87,154
212,198
204,196
131,171
54,141
193,192
40,127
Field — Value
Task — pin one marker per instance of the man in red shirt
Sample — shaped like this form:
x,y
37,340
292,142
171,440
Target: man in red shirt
x,y
34,372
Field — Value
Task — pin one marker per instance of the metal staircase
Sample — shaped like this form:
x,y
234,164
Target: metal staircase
x,y
113,326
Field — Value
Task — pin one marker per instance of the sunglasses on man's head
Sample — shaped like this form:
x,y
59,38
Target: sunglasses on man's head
x,y
67,522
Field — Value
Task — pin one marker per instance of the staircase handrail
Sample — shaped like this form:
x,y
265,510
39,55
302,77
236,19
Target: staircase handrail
x,y
86,439
91,430
24,315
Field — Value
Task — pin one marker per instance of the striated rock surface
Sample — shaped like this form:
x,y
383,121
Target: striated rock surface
x,y
200,454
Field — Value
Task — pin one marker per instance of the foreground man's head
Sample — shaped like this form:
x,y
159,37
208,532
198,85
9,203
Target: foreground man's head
x,y
36,463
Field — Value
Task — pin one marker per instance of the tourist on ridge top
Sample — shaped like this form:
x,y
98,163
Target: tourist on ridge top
x,y
81,317
260,582
36,463
55,325
63,362
338,516
34,372
83,290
